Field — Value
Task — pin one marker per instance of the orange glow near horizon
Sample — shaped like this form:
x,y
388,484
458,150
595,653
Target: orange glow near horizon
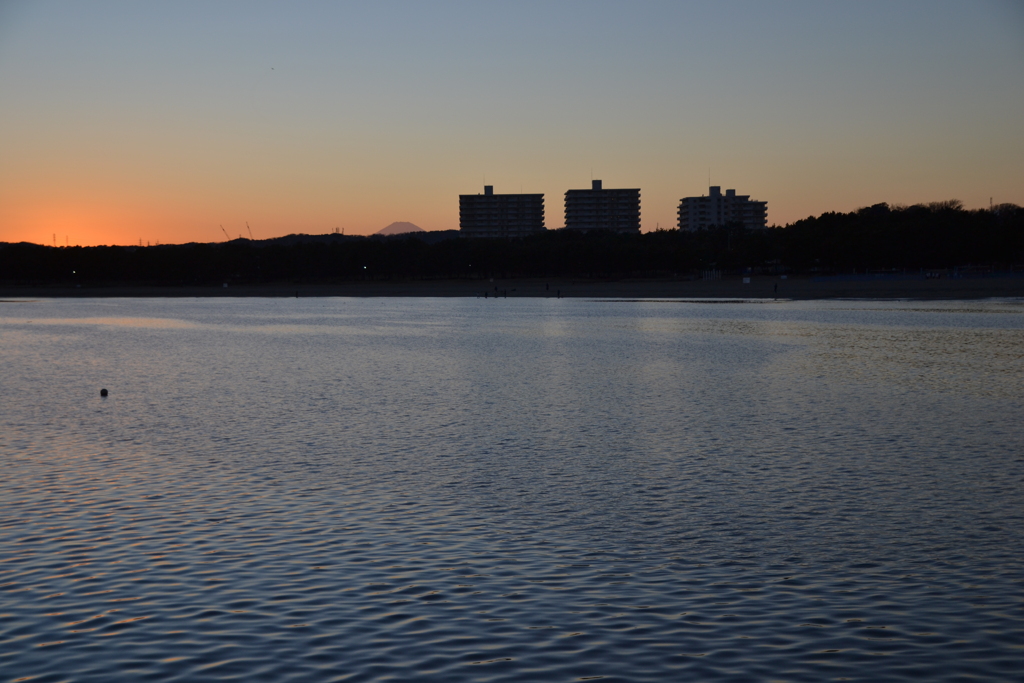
x,y
93,223
71,224
127,123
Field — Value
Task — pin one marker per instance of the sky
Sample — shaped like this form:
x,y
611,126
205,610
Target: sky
x,y
150,122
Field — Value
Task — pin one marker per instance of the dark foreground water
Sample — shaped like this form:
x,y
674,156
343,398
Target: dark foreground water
x,y
511,490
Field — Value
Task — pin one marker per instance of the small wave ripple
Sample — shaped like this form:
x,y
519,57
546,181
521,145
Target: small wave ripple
x,y
208,576
717,505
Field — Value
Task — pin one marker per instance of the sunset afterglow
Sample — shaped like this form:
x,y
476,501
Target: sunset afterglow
x,y
125,123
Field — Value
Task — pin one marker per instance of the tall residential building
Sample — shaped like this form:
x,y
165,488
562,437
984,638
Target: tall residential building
x,y
500,215
698,213
600,209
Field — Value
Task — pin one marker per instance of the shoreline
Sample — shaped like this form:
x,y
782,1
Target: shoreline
x,y
760,287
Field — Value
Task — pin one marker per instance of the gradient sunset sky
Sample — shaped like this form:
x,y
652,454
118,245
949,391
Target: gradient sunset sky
x,y
162,121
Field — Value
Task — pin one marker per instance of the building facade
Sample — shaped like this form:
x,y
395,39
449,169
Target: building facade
x,y
500,215
601,209
716,209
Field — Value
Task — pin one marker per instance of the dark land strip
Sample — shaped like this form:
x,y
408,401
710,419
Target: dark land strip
x,y
759,287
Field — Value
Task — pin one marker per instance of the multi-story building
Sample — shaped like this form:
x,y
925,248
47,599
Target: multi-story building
x,y
500,215
600,209
698,213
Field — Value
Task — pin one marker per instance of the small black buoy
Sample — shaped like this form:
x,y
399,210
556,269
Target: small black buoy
x,y
103,393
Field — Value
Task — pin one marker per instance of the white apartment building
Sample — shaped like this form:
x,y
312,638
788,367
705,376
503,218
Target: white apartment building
x,y
716,210
500,215
599,208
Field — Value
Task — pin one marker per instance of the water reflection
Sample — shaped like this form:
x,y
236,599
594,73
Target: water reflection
x,y
551,489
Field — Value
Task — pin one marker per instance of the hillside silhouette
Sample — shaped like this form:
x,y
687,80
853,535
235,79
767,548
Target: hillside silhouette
x,y
876,239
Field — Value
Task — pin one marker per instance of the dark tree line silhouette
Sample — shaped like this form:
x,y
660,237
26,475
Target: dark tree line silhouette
x,y
935,236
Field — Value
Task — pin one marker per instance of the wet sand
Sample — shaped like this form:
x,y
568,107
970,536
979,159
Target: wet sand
x,y
758,288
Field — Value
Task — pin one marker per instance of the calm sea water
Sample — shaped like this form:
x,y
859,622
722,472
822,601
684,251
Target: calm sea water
x,y
511,490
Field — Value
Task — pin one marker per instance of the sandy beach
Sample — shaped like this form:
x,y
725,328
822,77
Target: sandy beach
x,y
757,288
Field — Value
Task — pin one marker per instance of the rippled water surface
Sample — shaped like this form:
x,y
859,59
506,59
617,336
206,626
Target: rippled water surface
x,y
511,490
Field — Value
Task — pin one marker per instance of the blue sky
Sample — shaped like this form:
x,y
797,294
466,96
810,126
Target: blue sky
x,y
127,121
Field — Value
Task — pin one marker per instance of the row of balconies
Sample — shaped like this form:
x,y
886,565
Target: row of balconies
x,y
602,214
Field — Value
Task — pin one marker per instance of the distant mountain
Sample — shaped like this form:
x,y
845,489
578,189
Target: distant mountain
x,y
400,228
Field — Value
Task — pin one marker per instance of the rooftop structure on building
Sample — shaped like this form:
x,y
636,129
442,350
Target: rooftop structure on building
x,y
601,209
500,215
716,210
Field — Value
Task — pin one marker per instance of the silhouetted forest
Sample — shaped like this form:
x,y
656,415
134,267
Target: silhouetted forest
x,y
938,236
